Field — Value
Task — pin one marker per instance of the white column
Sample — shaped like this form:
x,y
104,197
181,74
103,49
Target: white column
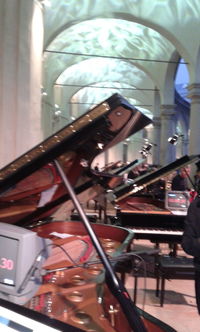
x,y
183,146
168,128
156,140
21,39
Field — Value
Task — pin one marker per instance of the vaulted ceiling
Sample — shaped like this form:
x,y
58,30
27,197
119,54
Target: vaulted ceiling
x,y
93,49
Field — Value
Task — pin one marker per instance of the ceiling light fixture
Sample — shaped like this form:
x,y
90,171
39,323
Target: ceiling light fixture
x,y
174,139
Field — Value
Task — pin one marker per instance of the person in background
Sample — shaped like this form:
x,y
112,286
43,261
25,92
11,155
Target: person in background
x,y
133,173
191,242
157,189
179,182
196,185
144,169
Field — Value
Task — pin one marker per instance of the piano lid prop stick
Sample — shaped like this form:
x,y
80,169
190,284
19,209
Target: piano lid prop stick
x,y
113,282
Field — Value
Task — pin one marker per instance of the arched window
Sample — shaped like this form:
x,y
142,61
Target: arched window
x,y
182,79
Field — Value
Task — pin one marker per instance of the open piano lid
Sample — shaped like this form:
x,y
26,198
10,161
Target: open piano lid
x,y
31,183
141,182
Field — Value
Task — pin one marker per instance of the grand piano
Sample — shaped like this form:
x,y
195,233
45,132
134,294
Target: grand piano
x,y
146,215
78,288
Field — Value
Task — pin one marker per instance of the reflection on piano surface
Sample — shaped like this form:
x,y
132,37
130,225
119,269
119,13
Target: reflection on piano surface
x,y
77,286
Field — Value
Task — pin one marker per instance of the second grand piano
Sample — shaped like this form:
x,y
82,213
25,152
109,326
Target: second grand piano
x,y
146,216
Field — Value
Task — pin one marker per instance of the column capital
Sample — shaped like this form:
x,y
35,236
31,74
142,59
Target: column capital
x,y
168,110
156,121
194,92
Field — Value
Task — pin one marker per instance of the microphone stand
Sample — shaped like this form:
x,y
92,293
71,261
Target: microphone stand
x,y
114,284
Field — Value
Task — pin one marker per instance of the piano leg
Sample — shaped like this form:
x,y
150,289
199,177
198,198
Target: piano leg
x,y
135,289
173,247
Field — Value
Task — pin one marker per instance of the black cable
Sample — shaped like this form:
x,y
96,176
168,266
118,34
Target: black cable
x,y
102,87
113,57
67,254
144,276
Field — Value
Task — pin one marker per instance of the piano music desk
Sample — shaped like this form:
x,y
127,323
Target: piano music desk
x,y
169,267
